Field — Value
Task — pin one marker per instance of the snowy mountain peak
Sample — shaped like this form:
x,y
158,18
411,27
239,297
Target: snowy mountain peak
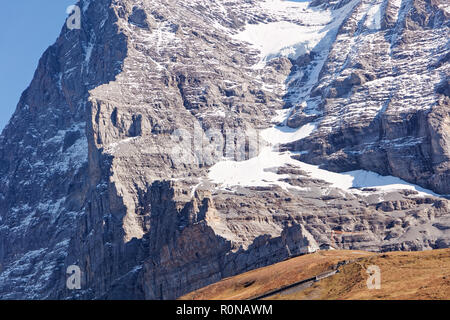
x,y
166,145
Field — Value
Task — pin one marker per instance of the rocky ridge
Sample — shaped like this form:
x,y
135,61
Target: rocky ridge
x,y
90,176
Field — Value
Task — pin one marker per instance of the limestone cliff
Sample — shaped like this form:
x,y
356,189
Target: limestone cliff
x,y
168,144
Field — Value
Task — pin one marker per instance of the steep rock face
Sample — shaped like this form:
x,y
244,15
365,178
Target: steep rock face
x,y
45,153
92,173
381,95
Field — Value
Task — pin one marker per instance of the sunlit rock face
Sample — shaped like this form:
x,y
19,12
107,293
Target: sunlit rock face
x,y
166,145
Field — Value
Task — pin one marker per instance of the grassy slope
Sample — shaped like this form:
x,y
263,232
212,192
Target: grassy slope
x,y
404,275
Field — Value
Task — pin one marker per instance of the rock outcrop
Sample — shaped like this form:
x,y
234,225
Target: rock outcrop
x,y
381,95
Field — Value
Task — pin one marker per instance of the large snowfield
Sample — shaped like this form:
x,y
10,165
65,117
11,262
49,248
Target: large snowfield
x,y
292,40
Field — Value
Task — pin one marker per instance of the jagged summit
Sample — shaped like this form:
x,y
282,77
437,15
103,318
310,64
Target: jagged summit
x,y
166,145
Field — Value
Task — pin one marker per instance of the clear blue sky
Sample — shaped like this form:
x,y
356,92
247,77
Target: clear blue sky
x,y
27,28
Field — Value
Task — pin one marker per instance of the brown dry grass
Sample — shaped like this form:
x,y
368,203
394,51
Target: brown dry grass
x,y
260,281
404,275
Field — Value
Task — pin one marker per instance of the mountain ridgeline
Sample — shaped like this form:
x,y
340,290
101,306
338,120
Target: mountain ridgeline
x,y
168,144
